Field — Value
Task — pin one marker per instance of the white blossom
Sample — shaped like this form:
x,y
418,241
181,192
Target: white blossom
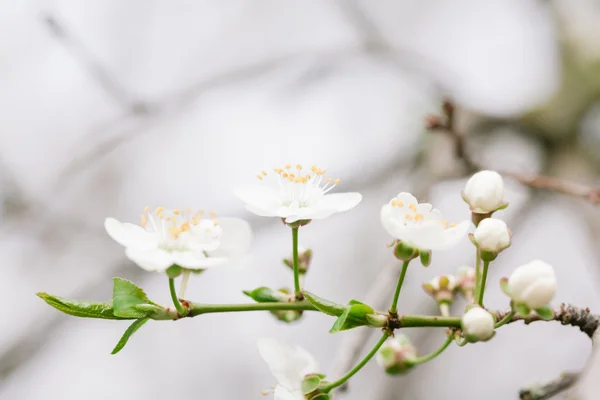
x,y
478,324
492,235
289,365
419,225
533,284
296,194
484,192
180,237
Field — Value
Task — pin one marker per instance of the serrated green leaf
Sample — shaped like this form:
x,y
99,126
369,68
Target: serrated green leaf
x,y
83,309
310,384
325,306
126,295
545,313
137,324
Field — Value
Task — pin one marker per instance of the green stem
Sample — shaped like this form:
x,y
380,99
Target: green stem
x,y
296,263
483,279
180,309
431,356
358,366
394,307
505,320
477,273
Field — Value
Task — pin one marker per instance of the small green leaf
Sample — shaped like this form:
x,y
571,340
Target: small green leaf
x,y
522,309
126,295
322,396
310,384
354,316
545,313
325,306
137,324
266,295
83,309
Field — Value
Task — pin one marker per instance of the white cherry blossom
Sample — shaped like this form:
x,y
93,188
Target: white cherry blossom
x,y
289,365
419,225
296,194
180,237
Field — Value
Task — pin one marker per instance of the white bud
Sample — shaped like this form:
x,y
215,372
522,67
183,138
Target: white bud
x,y
492,235
396,356
477,325
484,192
441,288
533,284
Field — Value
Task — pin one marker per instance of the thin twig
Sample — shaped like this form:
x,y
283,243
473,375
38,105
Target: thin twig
x,y
549,389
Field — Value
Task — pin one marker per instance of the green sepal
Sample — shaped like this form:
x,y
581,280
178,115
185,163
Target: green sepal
x,y
325,306
546,313
126,295
425,257
83,309
504,286
264,294
310,384
137,324
522,309
322,396
354,315
174,271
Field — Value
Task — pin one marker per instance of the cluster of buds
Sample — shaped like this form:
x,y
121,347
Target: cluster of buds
x,y
304,259
397,355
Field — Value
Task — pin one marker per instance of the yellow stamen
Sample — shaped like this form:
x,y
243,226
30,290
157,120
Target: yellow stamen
x,y
176,211
263,172
413,207
288,166
144,220
328,180
299,166
146,209
259,176
452,225
212,214
408,217
159,210
336,181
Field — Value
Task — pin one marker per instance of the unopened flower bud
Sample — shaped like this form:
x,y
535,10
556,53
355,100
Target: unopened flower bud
x,y
441,288
477,325
404,252
484,192
491,237
532,284
397,355
466,281
304,259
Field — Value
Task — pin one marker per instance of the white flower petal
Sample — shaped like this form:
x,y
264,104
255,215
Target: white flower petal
x,y
454,235
407,198
289,365
259,197
260,212
150,259
127,234
282,393
340,201
235,239
194,260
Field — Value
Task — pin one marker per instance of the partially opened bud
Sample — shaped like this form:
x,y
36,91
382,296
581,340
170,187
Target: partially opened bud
x,y
466,281
532,284
491,237
484,192
477,325
441,288
397,355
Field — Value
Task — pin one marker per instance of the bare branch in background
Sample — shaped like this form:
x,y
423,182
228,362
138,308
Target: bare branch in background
x,y
109,82
548,390
446,124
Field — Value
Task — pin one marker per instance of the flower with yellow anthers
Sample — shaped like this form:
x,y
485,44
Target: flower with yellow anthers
x,y
419,225
191,240
296,194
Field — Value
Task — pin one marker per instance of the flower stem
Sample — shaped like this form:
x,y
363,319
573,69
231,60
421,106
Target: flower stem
x,y
297,291
482,283
184,282
181,310
394,306
504,320
357,367
477,273
431,356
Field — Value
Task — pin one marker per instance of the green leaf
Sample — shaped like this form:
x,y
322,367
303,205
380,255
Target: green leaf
x,y
325,306
354,316
137,324
522,309
310,384
264,294
545,313
83,309
126,295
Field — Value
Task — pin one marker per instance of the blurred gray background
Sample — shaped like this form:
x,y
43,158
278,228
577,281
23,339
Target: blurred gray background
x,y
109,106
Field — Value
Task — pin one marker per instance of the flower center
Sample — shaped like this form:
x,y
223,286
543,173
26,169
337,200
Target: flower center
x,y
297,186
180,230
412,214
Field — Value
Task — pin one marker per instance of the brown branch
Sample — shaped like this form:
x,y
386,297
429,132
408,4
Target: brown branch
x,y
547,390
446,124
